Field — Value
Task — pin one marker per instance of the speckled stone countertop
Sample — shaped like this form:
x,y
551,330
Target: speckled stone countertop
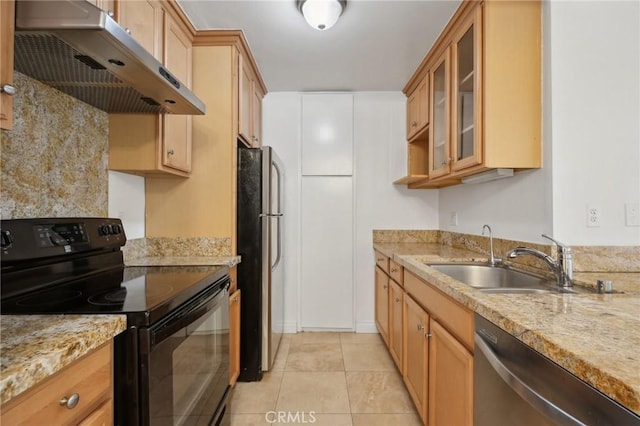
x,y
594,336
33,347
229,261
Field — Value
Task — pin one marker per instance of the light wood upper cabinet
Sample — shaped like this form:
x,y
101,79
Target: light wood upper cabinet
x,y
440,117
466,96
90,377
7,24
176,150
108,6
418,108
234,337
450,379
250,96
416,354
152,144
484,94
382,304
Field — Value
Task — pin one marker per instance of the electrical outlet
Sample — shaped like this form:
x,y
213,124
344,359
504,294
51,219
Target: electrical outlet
x,y
593,216
453,219
632,214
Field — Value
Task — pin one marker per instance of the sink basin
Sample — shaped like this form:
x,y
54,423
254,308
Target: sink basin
x,y
499,279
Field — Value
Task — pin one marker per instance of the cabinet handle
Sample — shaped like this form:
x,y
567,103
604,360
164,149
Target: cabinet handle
x,y
379,259
447,161
420,327
384,286
8,89
70,402
427,335
235,299
414,124
397,300
170,152
394,270
128,31
110,13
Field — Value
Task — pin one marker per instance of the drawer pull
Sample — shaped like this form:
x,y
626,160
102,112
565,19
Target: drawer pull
x,y
70,402
394,270
379,259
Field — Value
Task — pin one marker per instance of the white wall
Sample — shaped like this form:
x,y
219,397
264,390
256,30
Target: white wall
x,y
380,158
591,149
126,201
595,80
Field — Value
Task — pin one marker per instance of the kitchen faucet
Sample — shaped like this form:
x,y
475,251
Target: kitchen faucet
x,y
493,261
562,267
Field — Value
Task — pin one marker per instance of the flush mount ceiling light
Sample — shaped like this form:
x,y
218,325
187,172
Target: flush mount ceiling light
x,y
321,14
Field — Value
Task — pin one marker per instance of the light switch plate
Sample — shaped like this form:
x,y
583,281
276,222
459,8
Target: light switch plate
x,y
453,219
632,214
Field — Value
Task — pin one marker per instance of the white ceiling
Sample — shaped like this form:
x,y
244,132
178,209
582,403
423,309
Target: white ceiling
x,y
376,44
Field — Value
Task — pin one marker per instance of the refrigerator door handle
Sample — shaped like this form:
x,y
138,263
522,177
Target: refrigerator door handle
x,y
271,214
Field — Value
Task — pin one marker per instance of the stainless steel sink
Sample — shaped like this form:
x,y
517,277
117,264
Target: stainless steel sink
x,y
500,279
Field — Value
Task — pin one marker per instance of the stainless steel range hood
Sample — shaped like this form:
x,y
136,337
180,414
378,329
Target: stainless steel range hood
x,y
80,50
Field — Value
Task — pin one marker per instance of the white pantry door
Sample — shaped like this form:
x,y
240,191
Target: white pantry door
x,y
327,253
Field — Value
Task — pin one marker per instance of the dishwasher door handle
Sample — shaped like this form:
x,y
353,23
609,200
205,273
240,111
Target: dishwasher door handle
x,y
532,397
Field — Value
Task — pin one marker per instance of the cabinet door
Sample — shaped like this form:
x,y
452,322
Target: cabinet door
x,y
234,337
102,416
415,326
176,141
106,5
466,137
418,108
256,116
245,98
7,11
382,304
143,18
439,156
450,379
396,297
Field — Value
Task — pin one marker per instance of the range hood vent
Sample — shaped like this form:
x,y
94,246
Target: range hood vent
x,y
80,50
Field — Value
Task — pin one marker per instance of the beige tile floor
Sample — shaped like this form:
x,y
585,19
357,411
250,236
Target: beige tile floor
x,y
327,379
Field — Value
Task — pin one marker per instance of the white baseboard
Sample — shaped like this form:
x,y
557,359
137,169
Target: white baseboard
x,y
290,327
366,327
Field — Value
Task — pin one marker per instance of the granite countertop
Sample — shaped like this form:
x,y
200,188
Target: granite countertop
x,y
594,336
229,261
33,347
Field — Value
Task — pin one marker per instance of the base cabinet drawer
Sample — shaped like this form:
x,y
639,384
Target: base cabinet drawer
x,y
81,393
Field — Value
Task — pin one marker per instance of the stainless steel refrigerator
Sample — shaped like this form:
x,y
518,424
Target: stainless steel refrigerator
x,y
260,273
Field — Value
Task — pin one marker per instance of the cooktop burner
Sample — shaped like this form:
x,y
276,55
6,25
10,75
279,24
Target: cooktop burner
x,y
115,297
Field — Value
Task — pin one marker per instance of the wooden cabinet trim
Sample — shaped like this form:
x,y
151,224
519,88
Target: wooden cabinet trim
x,y
396,304
382,304
415,329
7,27
455,317
234,337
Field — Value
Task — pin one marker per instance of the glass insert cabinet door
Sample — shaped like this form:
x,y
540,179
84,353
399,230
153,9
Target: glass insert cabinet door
x,y
439,132
466,131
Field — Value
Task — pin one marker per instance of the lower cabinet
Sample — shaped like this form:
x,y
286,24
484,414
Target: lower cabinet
x,y
234,337
430,338
396,296
86,385
382,304
415,327
450,379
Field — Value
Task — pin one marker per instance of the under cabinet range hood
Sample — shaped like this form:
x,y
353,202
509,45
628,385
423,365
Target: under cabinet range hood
x,y
80,50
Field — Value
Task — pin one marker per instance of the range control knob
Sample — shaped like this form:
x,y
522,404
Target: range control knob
x,y
5,239
104,230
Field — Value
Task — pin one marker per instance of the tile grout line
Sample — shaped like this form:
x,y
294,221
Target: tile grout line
x,y
346,382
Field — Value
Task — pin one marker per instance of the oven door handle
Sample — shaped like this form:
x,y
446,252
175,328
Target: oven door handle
x,y
520,386
186,316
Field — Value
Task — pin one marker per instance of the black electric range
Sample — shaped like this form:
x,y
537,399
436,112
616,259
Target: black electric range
x,y
75,266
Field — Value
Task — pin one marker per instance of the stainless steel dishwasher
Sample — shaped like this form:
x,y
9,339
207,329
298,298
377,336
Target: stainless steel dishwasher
x,y
515,385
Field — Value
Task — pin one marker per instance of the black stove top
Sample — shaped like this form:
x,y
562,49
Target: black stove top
x,y
75,266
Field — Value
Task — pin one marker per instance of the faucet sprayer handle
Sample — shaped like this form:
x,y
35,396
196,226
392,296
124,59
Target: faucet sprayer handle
x,y
563,247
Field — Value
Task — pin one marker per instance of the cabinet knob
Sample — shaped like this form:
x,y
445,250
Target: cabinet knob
x,y
379,259
235,299
110,13
128,31
420,327
397,300
427,335
70,402
447,161
384,286
170,152
414,124
8,89
394,270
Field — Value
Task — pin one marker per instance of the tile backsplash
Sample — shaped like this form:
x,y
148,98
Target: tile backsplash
x,y
54,160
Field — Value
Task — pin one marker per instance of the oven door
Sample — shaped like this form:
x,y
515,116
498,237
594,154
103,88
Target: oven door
x,y
184,363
